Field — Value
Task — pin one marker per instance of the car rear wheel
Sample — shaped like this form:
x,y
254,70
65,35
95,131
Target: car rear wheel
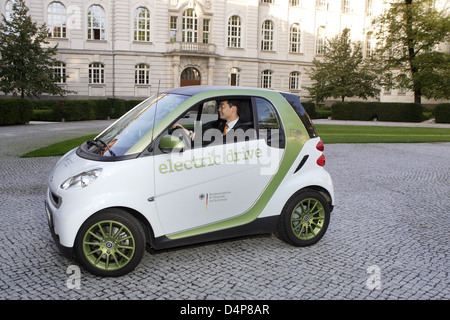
x,y
304,219
110,243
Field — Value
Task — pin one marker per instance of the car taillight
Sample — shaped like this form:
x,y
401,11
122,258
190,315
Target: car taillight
x,y
321,160
320,146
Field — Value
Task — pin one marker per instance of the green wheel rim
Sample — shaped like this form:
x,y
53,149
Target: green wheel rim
x,y
307,219
109,245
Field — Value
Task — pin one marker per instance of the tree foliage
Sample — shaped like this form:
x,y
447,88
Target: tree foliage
x,y
25,65
342,71
410,32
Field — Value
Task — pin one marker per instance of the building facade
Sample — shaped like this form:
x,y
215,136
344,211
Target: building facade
x,y
131,49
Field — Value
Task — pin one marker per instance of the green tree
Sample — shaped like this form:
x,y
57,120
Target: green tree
x,y
409,33
25,65
342,72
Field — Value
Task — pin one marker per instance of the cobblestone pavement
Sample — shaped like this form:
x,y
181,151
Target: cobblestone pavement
x,y
388,237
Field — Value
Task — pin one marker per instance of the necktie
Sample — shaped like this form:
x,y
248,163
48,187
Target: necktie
x,y
225,129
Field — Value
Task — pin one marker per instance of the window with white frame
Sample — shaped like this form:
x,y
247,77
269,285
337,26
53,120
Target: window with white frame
x,y
96,23
320,41
235,77
369,45
234,32
347,7
266,79
295,38
294,80
190,26
323,5
206,30
57,20
59,72
173,28
96,73
142,74
369,8
267,36
294,3
267,1
142,24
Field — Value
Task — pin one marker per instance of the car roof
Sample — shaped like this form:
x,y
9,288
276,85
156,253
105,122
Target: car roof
x,y
193,90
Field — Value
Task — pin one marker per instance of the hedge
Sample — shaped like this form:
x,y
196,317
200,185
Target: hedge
x,y
442,113
75,110
382,111
15,111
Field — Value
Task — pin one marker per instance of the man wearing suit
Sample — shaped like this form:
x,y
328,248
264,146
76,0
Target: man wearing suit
x,y
229,124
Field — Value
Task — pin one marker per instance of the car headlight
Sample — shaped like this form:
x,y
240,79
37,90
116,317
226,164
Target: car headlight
x,y
81,180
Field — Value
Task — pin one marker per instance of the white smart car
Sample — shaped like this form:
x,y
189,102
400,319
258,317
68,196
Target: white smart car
x,y
160,179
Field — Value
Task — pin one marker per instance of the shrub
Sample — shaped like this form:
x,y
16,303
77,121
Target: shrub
x,y
366,111
15,111
442,113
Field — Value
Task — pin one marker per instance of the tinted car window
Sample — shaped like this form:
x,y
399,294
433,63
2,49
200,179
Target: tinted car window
x,y
269,125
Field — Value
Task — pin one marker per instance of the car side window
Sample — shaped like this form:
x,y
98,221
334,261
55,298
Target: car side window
x,y
269,124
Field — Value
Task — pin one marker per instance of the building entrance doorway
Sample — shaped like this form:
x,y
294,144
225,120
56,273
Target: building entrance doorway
x,y
190,77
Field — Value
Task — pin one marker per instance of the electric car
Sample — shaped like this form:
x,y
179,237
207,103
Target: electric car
x,y
166,174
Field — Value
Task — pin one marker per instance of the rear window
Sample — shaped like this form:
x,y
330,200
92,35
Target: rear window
x,y
294,101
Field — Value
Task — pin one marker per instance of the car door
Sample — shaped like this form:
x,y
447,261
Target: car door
x,y
211,183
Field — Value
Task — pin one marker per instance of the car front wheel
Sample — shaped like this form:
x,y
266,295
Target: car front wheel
x,y
111,243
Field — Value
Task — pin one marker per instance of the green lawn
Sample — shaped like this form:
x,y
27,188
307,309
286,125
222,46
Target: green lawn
x,y
328,133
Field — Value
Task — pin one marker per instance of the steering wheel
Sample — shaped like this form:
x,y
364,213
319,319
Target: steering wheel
x,y
181,133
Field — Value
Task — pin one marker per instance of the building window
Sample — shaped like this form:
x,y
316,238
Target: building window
x,y
294,3
190,26
294,38
142,74
8,9
96,23
142,24
369,45
266,79
294,80
267,36
347,7
96,73
173,28
59,72
323,5
57,20
369,8
206,29
234,32
267,1
320,41
235,77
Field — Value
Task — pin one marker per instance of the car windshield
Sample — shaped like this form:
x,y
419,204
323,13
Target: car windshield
x,y
126,132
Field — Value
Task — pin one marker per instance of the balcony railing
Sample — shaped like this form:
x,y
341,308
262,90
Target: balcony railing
x,y
191,47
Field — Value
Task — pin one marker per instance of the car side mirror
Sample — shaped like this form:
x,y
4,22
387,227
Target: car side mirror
x,y
168,143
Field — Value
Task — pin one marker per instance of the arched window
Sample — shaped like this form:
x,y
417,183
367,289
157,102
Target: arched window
x,y
320,41
8,9
294,38
96,73
96,23
235,77
142,74
190,26
141,24
57,20
266,79
234,32
267,36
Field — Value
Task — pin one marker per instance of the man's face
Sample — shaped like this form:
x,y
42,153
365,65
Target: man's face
x,y
226,111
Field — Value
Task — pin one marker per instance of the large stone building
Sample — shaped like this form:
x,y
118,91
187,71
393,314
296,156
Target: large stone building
x,y
133,48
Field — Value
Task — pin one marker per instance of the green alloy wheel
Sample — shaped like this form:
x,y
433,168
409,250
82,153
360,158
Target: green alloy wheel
x,y
110,243
304,219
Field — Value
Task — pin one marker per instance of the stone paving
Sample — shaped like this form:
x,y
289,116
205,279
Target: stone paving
x,y
388,238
